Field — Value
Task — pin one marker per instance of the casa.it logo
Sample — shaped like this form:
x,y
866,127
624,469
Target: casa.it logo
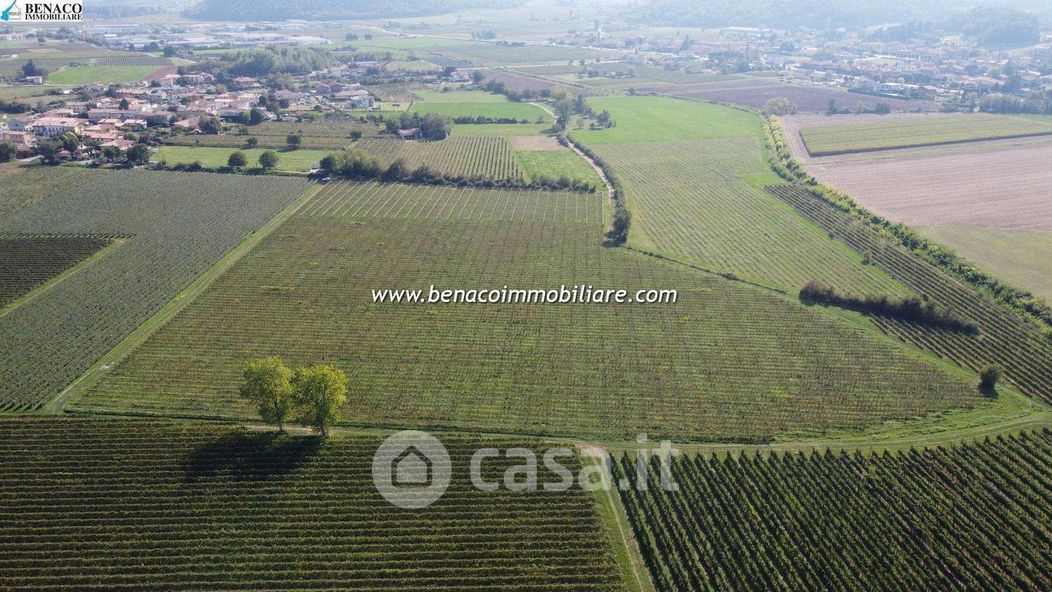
x,y
21,10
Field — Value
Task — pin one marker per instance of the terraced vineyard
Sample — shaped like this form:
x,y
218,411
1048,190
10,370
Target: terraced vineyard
x,y
971,517
725,361
459,156
137,505
1016,346
178,226
700,200
26,262
906,131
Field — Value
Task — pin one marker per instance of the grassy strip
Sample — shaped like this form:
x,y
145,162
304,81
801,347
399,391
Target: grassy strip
x,y
44,287
622,540
169,310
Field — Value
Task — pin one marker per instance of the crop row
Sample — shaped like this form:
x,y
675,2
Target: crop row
x,y
180,225
1005,339
145,505
370,200
693,202
27,262
726,360
458,156
972,517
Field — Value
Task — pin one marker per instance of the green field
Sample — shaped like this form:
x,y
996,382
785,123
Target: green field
x,y
27,262
462,103
9,93
558,163
458,156
887,133
324,132
658,119
693,174
1022,258
725,361
31,184
138,505
78,75
972,516
175,226
294,160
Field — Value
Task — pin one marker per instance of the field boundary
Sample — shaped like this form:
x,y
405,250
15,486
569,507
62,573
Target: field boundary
x,y
92,259
173,306
821,153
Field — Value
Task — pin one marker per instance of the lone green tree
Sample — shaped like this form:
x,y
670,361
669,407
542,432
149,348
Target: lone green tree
x,y
236,160
139,154
319,392
988,379
267,383
7,151
293,140
268,160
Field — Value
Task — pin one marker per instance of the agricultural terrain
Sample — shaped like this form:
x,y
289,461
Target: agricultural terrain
x,y
973,516
176,226
30,261
986,199
459,156
322,133
692,369
694,175
846,135
159,506
474,104
755,92
209,156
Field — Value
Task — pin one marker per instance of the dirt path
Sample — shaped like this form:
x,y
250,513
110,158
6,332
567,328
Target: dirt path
x,y
598,169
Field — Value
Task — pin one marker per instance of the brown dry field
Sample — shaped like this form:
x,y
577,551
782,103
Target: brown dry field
x,y
1006,185
535,144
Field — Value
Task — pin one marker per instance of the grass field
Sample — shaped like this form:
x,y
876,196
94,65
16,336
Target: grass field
x,y
475,103
294,160
556,164
725,361
78,75
325,132
1023,258
178,224
654,119
162,506
871,133
693,174
974,516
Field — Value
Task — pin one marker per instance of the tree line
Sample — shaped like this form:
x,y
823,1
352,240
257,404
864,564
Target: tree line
x,y
910,309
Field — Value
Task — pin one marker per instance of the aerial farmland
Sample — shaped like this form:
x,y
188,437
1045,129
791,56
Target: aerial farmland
x,y
525,295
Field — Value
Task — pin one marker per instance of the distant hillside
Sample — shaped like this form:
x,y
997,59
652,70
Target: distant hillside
x,y
814,14
278,10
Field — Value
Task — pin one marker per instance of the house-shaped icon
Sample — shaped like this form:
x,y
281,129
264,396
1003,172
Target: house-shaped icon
x,y
412,468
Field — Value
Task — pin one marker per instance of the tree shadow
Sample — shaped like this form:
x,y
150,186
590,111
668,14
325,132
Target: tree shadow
x,y
246,456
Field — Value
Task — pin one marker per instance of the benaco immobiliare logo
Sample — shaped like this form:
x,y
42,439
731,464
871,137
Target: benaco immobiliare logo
x,y
25,10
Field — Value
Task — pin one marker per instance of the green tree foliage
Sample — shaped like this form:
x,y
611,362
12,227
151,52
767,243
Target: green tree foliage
x,y
48,150
31,69
236,160
251,142
779,106
267,383
268,160
111,153
353,164
255,116
139,154
294,140
209,124
7,151
989,378
319,392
